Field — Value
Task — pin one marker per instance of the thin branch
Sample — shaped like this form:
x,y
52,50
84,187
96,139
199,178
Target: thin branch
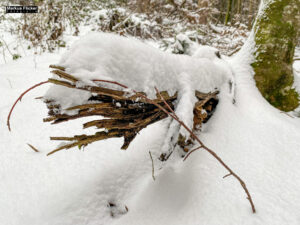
x,y
190,152
168,106
287,114
199,141
220,161
227,175
113,82
57,67
83,140
234,51
3,52
152,165
64,75
6,45
33,148
19,99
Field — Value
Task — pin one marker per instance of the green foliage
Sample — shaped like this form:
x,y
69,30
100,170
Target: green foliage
x,y
16,56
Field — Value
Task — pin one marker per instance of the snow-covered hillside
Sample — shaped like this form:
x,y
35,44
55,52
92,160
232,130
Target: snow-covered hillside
x,y
98,185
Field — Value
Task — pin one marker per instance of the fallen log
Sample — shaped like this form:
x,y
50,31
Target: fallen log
x,y
125,114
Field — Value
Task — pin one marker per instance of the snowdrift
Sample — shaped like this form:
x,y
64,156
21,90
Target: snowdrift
x,y
76,187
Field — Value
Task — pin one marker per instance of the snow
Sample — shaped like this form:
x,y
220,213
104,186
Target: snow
x,y
74,187
110,57
186,103
206,52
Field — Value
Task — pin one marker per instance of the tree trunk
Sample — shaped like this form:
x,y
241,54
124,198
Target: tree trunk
x,y
239,4
228,12
276,35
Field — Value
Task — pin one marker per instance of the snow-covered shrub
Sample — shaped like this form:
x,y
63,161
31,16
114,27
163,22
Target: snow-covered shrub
x,y
123,22
162,22
44,30
182,45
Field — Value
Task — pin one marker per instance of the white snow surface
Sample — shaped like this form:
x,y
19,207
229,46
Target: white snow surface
x,y
138,65
206,52
73,187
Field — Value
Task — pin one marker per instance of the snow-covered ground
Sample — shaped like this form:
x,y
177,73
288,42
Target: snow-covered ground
x,y
75,187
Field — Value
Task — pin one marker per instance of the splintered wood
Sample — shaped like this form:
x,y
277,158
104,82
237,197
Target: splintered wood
x,y
123,116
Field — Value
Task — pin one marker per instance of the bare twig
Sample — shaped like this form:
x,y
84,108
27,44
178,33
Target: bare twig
x,y
152,165
6,45
220,161
19,99
168,106
113,82
3,53
33,148
190,152
57,67
227,175
287,114
234,51
83,140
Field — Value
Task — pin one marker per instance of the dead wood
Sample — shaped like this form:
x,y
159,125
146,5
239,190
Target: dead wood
x,y
131,115
125,113
33,148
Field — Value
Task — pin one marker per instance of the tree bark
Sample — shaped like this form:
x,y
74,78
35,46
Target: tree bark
x,y
277,30
228,12
239,4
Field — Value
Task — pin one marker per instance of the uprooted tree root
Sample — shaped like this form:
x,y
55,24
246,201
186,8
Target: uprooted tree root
x,y
128,114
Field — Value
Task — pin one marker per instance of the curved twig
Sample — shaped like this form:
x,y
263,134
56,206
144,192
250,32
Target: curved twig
x,y
19,99
190,152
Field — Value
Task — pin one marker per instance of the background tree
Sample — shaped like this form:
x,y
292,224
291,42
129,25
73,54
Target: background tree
x,y
277,31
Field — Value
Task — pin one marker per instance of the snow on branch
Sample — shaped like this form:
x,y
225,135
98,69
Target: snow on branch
x,y
126,112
